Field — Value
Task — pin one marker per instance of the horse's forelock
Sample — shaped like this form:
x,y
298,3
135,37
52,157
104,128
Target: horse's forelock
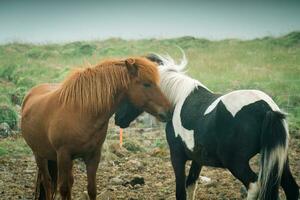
x,y
147,70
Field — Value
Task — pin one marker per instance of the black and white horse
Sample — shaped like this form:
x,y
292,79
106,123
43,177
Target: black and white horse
x,y
222,131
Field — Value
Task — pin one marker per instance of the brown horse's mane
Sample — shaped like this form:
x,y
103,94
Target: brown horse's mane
x,y
93,88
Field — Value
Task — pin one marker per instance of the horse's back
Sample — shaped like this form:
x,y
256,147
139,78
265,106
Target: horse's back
x,y
231,123
238,122
38,91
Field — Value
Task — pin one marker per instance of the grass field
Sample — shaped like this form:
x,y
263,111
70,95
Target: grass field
x,y
269,64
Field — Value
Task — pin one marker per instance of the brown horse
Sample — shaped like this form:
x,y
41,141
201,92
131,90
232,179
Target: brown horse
x,y
61,122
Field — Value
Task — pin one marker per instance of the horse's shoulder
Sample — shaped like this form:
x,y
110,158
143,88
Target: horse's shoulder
x,y
194,107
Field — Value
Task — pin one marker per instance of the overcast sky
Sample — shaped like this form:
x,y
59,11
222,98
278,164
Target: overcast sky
x,y
56,21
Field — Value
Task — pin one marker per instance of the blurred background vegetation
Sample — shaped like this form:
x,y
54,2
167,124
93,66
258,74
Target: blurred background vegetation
x,y
269,64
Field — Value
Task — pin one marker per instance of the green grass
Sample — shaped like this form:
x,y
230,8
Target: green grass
x,y
269,64
14,146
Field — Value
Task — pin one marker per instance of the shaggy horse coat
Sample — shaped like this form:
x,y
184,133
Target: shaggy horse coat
x,y
221,131
61,122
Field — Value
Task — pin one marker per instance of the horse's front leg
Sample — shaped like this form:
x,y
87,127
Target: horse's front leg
x,y
178,160
45,177
179,169
91,162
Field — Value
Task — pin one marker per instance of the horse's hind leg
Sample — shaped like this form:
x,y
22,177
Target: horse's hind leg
x,y
288,183
91,162
45,176
65,176
242,171
191,184
52,168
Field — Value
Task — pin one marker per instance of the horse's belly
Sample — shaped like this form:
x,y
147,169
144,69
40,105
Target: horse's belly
x,y
41,148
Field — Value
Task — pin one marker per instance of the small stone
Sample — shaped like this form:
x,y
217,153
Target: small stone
x,y
5,130
159,184
205,179
29,171
116,181
159,152
117,150
210,184
137,164
104,195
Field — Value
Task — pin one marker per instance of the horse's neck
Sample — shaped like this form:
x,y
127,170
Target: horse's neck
x,y
117,99
102,117
177,89
190,98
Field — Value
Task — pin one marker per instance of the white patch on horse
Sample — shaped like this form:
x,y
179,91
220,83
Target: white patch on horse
x,y
253,191
236,100
187,136
177,87
191,191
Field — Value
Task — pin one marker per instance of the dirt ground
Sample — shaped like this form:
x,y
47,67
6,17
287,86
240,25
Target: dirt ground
x,y
140,170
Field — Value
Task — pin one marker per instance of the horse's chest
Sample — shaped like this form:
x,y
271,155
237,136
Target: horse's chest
x,y
87,147
95,140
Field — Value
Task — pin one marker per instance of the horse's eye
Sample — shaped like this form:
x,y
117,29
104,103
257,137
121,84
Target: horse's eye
x,y
147,85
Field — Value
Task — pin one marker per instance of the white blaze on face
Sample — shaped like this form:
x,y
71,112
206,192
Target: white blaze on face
x,y
236,100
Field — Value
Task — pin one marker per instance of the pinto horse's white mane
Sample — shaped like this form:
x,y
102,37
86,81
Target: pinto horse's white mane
x,y
177,86
174,83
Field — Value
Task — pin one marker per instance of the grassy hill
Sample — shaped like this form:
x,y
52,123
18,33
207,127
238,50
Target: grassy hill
x,y
269,64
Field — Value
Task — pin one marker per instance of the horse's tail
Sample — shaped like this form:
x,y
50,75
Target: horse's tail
x,y
274,145
39,191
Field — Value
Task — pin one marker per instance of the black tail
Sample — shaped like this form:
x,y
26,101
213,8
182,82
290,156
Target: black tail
x,y
274,145
39,191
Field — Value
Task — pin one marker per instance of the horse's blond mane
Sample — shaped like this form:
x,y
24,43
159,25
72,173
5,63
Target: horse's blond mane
x,y
94,88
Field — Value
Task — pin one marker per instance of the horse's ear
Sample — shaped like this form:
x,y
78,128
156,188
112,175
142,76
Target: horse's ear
x,y
131,66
